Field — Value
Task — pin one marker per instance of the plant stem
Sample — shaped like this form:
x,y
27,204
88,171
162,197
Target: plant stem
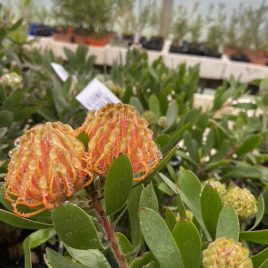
x,y
108,230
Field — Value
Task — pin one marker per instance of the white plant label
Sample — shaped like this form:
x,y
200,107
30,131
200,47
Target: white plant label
x,y
95,95
60,71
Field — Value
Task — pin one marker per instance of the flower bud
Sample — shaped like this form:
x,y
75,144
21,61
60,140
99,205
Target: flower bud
x,y
189,215
220,187
117,90
118,129
150,117
162,122
47,165
226,253
12,80
242,200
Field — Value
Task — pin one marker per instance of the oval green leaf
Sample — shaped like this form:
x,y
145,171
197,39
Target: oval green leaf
x,y
118,184
124,244
159,239
172,113
264,265
55,260
16,221
259,237
249,145
189,243
27,253
75,227
260,211
149,198
6,118
190,188
228,224
260,258
211,205
92,258
154,105
133,207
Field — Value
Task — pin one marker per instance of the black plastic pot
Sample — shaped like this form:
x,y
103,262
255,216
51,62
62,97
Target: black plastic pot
x,y
242,58
155,43
213,53
196,49
129,38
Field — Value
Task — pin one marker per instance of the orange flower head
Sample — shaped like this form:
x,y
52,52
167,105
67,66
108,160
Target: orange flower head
x,y
47,166
118,129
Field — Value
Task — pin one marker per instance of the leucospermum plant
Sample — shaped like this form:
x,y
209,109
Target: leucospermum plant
x,y
93,193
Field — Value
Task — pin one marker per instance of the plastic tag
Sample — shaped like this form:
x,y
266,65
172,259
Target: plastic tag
x,y
60,71
95,95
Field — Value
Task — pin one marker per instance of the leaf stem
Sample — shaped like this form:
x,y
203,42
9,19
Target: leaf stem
x,y
108,230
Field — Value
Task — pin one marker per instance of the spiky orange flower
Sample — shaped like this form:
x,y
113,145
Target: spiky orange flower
x,y
118,129
47,166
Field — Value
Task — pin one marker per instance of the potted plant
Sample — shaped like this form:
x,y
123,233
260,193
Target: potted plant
x,y
89,19
155,16
257,19
179,30
216,33
123,20
238,39
195,32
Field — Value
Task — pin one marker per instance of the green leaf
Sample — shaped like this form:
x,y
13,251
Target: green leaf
x,y
39,237
24,113
191,145
249,145
143,260
209,142
260,211
260,258
165,160
149,198
169,183
75,227
6,118
211,205
124,244
264,265
190,188
175,137
27,253
92,258
154,105
133,207
162,140
170,219
189,243
16,221
59,99
172,113
83,137
152,264
118,184
3,131
13,101
259,237
55,260
159,239
228,224
134,101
